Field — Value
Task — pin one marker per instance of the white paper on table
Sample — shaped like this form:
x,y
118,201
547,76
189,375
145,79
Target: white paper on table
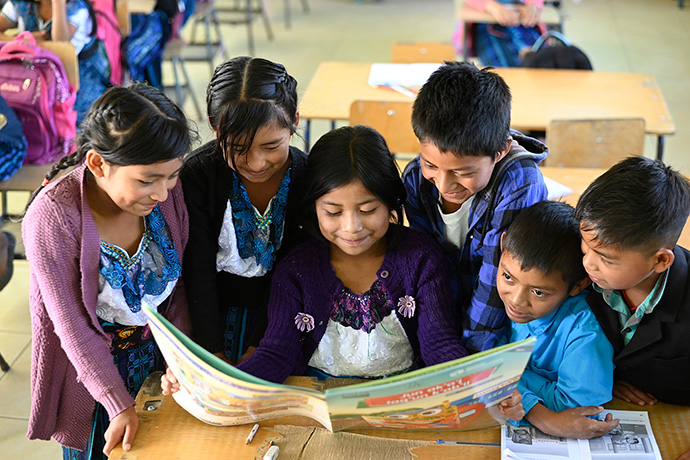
x,y
556,189
404,75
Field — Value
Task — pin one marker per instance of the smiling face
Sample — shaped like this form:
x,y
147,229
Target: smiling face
x,y
531,294
457,177
353,220
137,189
267,155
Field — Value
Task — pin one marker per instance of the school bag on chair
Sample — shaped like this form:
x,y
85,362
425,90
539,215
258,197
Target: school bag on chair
x,y
559,56
108,31
34,83
12,142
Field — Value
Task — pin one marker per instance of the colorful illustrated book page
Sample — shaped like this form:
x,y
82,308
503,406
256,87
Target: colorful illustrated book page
x,y
457,395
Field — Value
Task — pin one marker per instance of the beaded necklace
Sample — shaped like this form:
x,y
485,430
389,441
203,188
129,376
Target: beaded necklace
x,y
122,256
251,227
125,272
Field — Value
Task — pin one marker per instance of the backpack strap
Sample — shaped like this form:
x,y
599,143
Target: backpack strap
x,y
550,34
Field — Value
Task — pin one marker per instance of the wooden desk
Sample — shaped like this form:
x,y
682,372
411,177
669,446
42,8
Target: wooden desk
x,y
167,431
539,96
578,179
468,15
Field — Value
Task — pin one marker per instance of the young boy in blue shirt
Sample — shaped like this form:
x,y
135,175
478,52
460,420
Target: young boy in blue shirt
x,y
541,282
631,218
472,177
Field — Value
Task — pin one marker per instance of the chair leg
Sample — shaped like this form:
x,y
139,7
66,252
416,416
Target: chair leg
x,y
178,86
209,45
189,88
287,14
3,364
250,36
221,43
267,21
305,6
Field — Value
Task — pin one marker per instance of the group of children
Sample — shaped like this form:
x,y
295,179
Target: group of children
x,y
287,264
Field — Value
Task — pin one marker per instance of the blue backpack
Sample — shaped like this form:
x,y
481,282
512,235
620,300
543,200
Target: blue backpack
x,y
12,142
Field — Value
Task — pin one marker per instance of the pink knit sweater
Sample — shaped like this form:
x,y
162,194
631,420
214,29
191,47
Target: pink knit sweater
x,y
72,367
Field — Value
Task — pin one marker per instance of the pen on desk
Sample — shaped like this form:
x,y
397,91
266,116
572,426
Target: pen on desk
x,y
252,433
468,443
272,452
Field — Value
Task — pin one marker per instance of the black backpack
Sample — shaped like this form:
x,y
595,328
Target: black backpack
x,y
562,55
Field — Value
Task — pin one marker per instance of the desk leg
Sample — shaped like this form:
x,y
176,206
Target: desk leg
x,y
660,148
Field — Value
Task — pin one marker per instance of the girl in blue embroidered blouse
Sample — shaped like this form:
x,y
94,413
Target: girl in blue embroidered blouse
x,y
242,191
120,252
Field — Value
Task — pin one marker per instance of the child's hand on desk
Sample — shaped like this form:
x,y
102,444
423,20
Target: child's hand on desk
x,y
169,383
123,427
512,407
571,423
530,15
507,17
628,393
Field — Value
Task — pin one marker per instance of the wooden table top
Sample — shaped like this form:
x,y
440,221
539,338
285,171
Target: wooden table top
x,y
465,13
167,431
539,95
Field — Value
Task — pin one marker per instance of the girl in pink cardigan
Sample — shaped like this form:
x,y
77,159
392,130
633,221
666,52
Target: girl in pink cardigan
x,y
104,242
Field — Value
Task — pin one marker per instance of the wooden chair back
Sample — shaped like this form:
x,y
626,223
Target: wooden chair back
x,y
122,11
391,119
593,143
409,53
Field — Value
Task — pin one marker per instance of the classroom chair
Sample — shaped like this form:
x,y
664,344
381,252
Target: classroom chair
x,y
244,12
411,52
207,14
305,9
593,143
391,119
173,54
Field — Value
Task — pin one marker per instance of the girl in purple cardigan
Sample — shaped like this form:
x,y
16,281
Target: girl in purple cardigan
x,y
367,298
104,242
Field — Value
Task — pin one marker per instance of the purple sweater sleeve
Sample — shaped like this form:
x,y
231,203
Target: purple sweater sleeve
x,y
55,236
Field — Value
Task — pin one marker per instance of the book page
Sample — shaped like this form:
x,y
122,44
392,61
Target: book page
x,y
217,393
632,439
529,443
458,395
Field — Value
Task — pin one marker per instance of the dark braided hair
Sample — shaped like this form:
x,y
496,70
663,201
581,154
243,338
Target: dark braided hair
x,y
244,95
136,125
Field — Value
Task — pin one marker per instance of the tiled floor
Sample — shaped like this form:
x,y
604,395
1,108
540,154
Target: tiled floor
x,y
648,36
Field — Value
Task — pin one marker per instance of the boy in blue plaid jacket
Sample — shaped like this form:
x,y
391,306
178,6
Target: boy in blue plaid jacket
x,y
471,179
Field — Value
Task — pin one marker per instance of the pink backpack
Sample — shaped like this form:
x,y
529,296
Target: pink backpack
x,y
34,83
108,31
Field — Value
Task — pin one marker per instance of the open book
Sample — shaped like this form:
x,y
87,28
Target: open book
x,y
632,439
457,395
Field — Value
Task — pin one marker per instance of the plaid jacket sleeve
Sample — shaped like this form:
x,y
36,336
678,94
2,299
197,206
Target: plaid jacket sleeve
x,y
485,318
